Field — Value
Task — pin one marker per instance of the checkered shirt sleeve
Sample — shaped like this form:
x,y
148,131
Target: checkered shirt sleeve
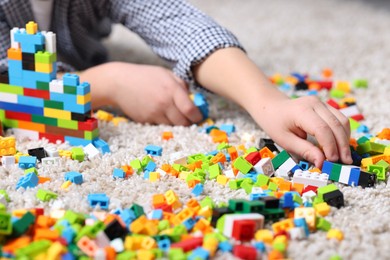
x,y
175,30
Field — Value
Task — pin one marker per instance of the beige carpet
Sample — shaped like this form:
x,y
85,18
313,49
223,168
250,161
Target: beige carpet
x,y
351,37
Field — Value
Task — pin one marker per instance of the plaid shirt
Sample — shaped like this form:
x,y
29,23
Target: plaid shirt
x,y
174,29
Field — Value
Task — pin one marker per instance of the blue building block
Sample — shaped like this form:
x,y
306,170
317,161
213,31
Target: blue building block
x,y
83,89
100,199
157,214
15,68
189,223
146,175
72,80
354,177
151,166
327,167
128,216
301,222
68,234
74,177
225,246
164,244
304,165
260,246
300,77
362,129
101,145
153,150
26,162
75,141
199,254
30,78
76,108
68,256
16,81
228,128
32,101
29,180
118,173
288,201
201,103
21,108
209,128
197,190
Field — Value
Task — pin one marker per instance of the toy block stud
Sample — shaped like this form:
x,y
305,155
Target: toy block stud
x,y
31,27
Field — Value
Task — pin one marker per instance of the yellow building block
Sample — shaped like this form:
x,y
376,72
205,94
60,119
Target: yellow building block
x,y
343,86
202,225
65,153
57,113
66,185
42,67
264,235
309,214
211,245
7,146
55,251
322,209
335,234
150,229
117,120
154,176
205,212
137,226
172,199
148,243
83,99
182,215
283,225
387,151
31,27
222,179
145,255
104,116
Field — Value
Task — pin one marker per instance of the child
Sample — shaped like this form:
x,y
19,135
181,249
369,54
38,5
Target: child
x,y
199,50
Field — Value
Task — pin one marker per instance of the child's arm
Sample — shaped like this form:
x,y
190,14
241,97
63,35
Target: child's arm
x,y
147,94
229,73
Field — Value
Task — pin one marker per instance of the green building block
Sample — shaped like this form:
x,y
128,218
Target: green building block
x,y
3,208
337,93
90,230
362,140
317,200
279,246
45,195
335,173
325,189
237,205
297,199
127,255
223,146
33,249
255,206
74,218
5,223
323,224
279,159
235,184
138,210
335,257
6,88
44,120
196,157
242,165
68,124
207,201
31,170
158,253
378,170
251,150
247,186
214,171
5,194
273,214
20,226
78,154
384,164
136,165
45,57
180,168
53,104
163,224
360,83
272,186
262,180
353,124
176,254
43,85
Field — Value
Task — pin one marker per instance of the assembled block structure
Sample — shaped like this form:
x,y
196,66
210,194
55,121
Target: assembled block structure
x,y
34,102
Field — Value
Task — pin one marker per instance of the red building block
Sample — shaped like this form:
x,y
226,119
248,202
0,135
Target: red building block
x,y
189,244
244,230
245,252
253,157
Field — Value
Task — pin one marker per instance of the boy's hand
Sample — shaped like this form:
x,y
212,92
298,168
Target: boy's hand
x,y
147,94
289,121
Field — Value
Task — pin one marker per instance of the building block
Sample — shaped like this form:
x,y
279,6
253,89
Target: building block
x,y
98,199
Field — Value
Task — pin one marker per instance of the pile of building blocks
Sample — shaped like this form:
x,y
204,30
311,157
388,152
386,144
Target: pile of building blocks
x,y
34,102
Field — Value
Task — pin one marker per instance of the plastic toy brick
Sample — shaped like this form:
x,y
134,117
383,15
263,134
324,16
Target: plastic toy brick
x,y
309,215
378,170
309,178
118,173
29,180
245,252
153,150
98,199
74,177
242,165
5,223
154,176
45,195
334,198
101,145
335,234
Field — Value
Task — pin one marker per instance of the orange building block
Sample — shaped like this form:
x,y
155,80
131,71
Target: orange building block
x,y
167,135
265,152
232,151
45,233
14,54
16,243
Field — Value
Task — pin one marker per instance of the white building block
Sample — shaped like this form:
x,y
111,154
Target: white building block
x,y
57,86
52,152
264,166
288,164
8,161
91,151
51,161
282,173
297,233
309,178
230,174
117,244
22,133
50,42
9,98
350,111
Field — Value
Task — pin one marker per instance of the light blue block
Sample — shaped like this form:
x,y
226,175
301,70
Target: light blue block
x,y
29,180
75,141
74,177
71,80
83,89
228,128
63,97
15,68
34,39
118,173
101,145
153,150
100,199
16,81
32,101
81,109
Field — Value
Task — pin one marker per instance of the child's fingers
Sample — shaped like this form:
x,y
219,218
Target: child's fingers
x,y
185,105
176,117
303,148
314,125
338,131
343,120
